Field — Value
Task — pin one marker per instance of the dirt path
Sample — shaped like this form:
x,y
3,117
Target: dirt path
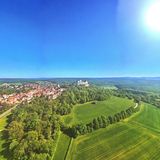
x,y
136,105
7,112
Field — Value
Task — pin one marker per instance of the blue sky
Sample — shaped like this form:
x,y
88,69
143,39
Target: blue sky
x,y
76,38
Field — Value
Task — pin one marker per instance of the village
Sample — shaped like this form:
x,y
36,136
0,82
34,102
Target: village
x,y
27,91
32,90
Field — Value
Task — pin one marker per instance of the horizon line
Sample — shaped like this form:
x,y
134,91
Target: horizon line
x,y
79,77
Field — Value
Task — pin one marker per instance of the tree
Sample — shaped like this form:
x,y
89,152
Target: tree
x,y
95,124
15,130
111,120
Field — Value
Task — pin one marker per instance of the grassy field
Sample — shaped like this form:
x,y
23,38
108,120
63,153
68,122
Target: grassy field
x,y
62,147
137,138
3,123
84,113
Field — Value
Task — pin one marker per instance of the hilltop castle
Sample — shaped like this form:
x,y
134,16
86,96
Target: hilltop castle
x,y
83,83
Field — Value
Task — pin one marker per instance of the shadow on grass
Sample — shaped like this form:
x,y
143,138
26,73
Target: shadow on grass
x,y
9,120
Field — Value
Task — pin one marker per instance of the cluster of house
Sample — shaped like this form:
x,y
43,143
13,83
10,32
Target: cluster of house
x,y
83,83
36,90
32,90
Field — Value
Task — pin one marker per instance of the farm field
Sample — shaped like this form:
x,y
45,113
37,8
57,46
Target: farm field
x,y
84,113
149,119
128,140
62,147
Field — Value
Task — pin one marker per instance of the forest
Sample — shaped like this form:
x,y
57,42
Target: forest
x,y
148,97
33,127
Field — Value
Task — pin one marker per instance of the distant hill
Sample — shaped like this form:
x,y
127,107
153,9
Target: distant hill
x,y
150,84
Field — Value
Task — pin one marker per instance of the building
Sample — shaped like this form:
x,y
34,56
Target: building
x,y
32,90
83,83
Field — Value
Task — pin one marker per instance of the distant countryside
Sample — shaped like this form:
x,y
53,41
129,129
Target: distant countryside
x,y
68,119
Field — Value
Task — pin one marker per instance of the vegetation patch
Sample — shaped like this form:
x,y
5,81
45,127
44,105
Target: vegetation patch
x,y
127,140
84,113
62,147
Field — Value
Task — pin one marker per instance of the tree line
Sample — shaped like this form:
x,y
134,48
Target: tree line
x,y
99,122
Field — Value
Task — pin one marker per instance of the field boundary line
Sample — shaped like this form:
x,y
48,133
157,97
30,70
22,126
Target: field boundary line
x,y
56,145
99,157
131,148
68,149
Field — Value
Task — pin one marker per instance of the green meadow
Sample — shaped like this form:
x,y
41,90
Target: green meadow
x,y
84,113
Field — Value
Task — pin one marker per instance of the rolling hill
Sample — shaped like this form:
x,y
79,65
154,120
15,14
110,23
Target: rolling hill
x,y
132,139
84,113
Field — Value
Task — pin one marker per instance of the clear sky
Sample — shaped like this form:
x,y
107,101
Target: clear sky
x,y
76,38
